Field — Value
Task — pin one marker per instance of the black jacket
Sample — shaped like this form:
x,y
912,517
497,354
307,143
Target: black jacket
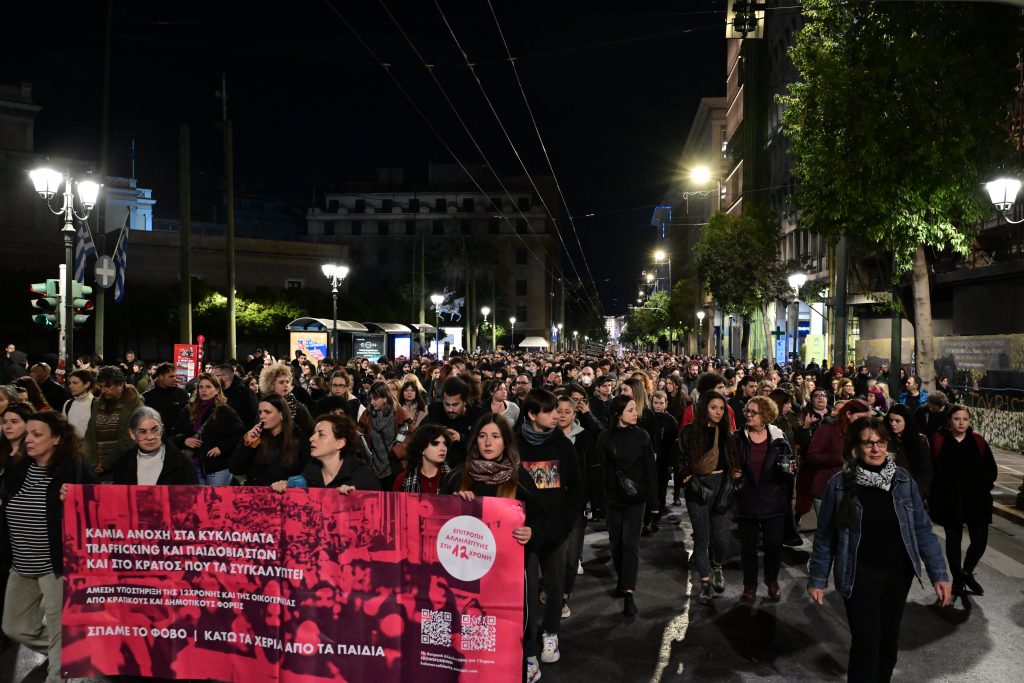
x,y
964,475
915,458
556,474
167,402
223,430
243,462
768,495
354,472
53,393
628,450
75,472
242,401
463,425
177,469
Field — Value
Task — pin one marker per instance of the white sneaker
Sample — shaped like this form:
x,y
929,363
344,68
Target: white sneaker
x,y
566,612
579,568
550,652
532,670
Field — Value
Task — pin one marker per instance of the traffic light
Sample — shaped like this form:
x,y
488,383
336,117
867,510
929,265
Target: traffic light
x,y
81,305
48,302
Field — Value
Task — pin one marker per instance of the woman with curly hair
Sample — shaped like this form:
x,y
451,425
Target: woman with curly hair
x,y
211,429
426,468
277,379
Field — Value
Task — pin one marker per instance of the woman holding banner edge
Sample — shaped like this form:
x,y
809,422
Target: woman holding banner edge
x,y
31,512
492,468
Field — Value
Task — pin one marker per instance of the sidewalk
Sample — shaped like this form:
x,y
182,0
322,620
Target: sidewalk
x,y
1004,495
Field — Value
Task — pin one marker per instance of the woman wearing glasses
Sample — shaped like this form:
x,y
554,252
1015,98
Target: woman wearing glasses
x,y
153,460
873,528
768,468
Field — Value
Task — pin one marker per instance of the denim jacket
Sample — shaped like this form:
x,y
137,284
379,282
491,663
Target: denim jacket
x,y
839,546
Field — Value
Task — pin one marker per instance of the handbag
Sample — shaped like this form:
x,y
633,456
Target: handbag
x,y
628,489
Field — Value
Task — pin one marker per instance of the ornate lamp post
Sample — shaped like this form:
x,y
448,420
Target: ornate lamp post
x,y
47,182
335,274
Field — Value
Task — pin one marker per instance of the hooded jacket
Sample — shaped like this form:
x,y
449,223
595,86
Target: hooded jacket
x,y
555,471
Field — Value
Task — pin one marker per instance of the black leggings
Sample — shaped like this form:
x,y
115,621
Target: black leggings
x,y
955,536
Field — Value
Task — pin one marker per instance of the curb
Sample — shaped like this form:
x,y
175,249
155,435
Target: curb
x,y
1007,512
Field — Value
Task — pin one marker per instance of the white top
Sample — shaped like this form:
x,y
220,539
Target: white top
x,y
79,412
150,466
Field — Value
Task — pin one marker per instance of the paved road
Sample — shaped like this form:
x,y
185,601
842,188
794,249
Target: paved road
x,y
675,639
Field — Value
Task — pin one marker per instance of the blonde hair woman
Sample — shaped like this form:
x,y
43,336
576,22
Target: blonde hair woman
x,y
277,378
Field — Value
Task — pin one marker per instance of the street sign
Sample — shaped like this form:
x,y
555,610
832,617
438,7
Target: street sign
x,y
105,272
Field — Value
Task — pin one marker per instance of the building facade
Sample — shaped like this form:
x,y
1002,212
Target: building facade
x,y
490,248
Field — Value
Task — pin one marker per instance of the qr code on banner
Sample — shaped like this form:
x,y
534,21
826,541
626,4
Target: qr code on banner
x,y
479,633
435,628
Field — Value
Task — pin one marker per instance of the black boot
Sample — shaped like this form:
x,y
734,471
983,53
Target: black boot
x,y
967,579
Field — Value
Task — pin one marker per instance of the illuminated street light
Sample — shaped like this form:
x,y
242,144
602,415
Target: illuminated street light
x,y
335,273
47,182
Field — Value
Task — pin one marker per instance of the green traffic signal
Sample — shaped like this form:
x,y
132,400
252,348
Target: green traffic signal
x,y
48,302
82,306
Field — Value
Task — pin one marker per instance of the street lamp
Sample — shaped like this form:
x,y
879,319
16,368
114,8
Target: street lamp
x,y
437,300
796,281
1003,193
575,340
512,322
561,346
335,273
700,328
660,256
486,311
46,182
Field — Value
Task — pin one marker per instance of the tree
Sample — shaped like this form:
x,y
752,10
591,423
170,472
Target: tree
x,y
895,125
736,258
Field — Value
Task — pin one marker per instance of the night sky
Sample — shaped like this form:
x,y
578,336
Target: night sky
x,y
613,86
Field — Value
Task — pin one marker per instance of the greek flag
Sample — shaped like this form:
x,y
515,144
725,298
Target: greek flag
x,y
120,261
84,248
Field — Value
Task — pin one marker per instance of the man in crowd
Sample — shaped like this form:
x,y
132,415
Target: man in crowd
x,y
935,416
521,387
240,398
745,391
599,402
165,396
454,413
914,397
52,392
107,436
12,364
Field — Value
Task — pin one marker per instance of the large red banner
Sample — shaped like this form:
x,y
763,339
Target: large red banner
x,y
237,584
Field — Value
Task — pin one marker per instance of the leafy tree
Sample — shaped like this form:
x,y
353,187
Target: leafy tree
x,y
736,258
895,125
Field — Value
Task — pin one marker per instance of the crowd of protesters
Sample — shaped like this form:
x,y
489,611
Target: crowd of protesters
x,y
581,440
